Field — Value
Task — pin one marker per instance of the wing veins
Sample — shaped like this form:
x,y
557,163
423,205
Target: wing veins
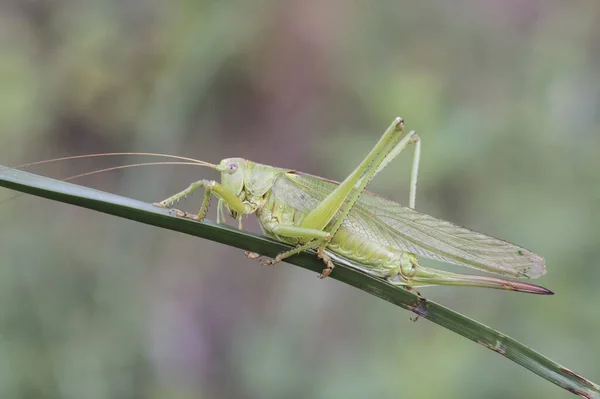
x,y
406,229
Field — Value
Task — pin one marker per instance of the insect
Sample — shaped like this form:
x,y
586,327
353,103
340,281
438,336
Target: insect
x,y
344,221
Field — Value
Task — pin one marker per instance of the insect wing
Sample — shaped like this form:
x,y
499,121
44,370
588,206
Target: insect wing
x,y
406,229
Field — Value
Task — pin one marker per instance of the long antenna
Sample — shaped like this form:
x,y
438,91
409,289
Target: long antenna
x,y
191,161
113,154
130,166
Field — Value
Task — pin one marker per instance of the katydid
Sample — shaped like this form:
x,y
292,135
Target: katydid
x,y
373,234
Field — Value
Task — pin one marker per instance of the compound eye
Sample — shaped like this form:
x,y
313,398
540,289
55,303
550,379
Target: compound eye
x,y
231,168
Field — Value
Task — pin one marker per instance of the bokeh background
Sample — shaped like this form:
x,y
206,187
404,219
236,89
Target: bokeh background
x,y
505,95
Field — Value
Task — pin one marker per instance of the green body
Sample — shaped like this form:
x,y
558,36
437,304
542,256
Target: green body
x,y
291,198
376,235
362,241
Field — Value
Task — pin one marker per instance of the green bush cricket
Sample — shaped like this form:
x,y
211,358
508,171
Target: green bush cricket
x,y
376,235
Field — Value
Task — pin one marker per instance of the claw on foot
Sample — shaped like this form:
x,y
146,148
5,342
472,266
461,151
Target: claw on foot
x,y
170,209
163,204
413,291
251,255
328,263
182,214
326,272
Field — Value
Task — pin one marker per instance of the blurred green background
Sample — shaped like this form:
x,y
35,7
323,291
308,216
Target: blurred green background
x,y
504,94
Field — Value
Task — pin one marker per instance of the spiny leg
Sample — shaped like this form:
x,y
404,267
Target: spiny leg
x,y
383,153
416,140
220,214
341,198
335,201
208,188
205,203
369,172
414,173
211,187
296,250
283,255
313,237
182,194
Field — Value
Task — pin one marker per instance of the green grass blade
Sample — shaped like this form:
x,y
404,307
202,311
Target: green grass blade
x,y
149,214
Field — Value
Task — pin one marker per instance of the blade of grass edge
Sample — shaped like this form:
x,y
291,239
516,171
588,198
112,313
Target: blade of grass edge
x,y
146,213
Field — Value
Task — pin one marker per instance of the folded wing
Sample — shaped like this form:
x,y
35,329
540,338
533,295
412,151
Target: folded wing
x,y
403,228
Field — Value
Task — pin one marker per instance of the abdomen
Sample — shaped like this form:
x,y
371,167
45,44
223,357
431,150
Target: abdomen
x,y
347,244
